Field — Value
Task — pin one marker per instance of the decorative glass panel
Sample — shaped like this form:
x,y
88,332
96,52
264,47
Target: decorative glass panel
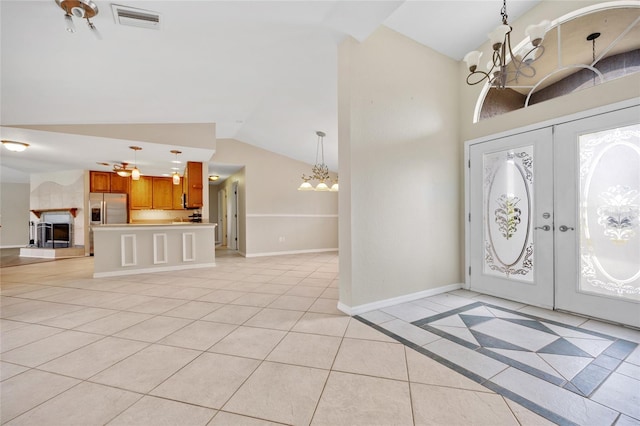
x,y
609,212
508,203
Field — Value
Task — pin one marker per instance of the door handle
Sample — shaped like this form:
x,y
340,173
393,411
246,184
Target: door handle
x,y
564,228
544,228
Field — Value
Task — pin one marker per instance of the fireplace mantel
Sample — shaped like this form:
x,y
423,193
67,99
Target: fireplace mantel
x,y
71,210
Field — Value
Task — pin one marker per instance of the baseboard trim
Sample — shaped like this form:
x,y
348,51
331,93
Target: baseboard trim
x,y
361,309
10,246
151,270
281,253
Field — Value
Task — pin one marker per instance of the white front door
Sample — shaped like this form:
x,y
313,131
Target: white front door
x,y
598,216
511,219
555,217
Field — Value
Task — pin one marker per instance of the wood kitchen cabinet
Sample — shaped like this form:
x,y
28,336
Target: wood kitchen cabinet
x,y
100,181
162,193
192,184
119,184
177,196
141,193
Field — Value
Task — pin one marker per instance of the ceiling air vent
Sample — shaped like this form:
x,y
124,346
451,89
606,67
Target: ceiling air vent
x,y
133,17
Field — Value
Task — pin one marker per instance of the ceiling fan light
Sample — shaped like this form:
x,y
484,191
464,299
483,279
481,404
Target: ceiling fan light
x,y
71,27
124,173
334,188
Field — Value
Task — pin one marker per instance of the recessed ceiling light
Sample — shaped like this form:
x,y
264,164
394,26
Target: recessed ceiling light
x,y
15,146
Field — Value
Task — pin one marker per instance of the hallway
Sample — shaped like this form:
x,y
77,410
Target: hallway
x,y
259,341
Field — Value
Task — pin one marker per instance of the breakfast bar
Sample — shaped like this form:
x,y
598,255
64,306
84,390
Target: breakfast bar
x,y
127,249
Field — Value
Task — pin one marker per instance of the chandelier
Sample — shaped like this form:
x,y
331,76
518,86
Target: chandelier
x,y
505,66
320,171
83,9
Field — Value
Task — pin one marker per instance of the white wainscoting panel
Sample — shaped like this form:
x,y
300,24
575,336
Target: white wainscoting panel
x,y
159,248
188,246
128,250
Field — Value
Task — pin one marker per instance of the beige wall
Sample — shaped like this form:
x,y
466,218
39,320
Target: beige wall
x,y
277,217
400,158
14,214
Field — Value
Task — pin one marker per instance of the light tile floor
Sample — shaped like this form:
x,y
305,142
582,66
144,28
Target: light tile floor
x,y
250,342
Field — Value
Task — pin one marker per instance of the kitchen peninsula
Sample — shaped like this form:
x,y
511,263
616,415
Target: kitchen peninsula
x,y
125,249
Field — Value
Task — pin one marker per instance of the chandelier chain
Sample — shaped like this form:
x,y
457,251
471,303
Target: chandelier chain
x,y
503,12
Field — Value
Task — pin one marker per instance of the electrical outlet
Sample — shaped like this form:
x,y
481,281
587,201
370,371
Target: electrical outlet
x,y
281,239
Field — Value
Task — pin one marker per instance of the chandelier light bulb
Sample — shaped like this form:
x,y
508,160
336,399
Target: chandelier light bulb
x,y
536,32
305,186
322,187
497,36
473,59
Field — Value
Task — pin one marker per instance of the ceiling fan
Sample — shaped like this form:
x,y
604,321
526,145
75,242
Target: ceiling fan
x,y
123,169
81,9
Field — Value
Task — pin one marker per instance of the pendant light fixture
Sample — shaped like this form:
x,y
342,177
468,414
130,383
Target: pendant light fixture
x,y
175,175
135,173
320,170
506,66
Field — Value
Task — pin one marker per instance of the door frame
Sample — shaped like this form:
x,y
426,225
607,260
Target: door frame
x,y
548,123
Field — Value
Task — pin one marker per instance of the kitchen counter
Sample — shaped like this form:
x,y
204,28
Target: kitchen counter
x,y
136,248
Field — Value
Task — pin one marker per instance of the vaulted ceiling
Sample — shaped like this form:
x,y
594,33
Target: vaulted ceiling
x,y
265,72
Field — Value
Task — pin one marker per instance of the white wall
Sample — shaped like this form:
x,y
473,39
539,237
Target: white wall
x,y
400,159
14,214
277,217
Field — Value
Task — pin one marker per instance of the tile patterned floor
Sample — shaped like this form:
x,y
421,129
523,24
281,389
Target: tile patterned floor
x,y
567,369
260,342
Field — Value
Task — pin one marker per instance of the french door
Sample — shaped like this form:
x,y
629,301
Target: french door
x,y
511,220
597,247
555,217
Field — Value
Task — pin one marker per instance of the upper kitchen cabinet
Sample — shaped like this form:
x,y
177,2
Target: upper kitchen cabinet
x,y
192,185
119,184
141,193
162,193
100,181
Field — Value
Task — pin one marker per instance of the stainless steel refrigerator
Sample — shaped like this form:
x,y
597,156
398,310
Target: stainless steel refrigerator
x,y
106,209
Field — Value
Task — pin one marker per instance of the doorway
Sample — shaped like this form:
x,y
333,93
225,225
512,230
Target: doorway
x,y
554,216
232,221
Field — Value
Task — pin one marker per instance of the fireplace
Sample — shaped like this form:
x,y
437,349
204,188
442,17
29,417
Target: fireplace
x,y
55,230
54,235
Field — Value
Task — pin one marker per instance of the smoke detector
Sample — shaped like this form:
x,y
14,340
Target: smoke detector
x,y
133,17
